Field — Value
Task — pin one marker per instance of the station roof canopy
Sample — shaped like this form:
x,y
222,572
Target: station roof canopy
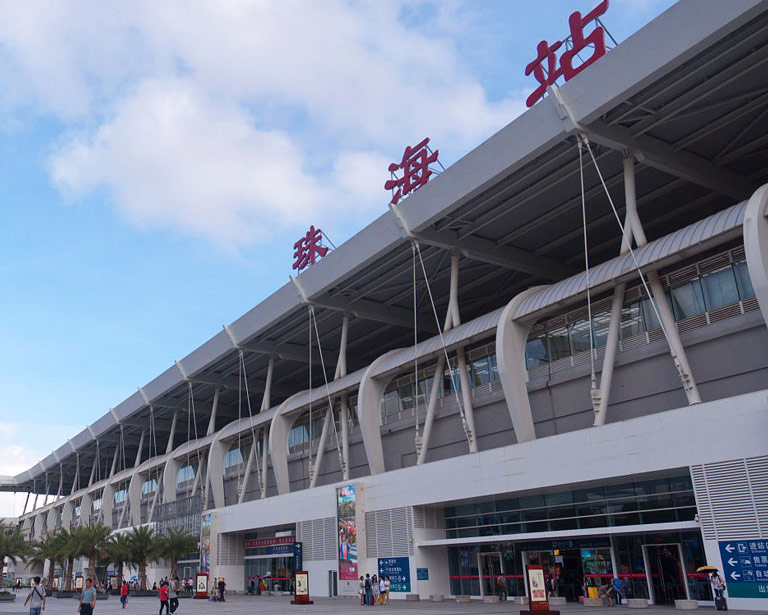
x,y
687,95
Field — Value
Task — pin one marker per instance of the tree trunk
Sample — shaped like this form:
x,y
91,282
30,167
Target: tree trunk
x,y
120,573
51,571
68,583
174,569
143,576
2,567
92,567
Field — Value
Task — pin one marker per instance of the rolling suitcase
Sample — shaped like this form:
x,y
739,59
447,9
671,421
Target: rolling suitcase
x,y
721,604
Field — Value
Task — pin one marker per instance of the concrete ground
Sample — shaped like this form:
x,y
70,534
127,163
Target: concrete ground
x,y
279,605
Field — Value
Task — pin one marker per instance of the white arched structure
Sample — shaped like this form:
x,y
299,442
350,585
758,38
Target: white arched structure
x,y
511,337
756,245
278,444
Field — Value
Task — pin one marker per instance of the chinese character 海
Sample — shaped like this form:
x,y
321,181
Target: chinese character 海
x,y
416,172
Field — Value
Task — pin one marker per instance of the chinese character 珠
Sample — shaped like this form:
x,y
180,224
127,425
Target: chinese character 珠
x,y
416,171
308,248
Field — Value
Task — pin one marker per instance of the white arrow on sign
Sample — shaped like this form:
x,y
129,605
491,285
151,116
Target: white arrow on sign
x,y
730,548
735,576
732,562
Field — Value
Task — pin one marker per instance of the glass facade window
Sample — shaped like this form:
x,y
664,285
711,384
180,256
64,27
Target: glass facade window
x,y
186,473
720,288
536,352
96,506
687,299
631,320
579,332
559,343
743,281
233,457
120,496
149,486
653,501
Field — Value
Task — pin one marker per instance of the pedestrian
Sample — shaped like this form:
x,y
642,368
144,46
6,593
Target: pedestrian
x,y
163,597
718,585
87,598
222,586
361,590
124,593
386,590
382,590
368,590
375,590
36,597
262,586
605,592
173,594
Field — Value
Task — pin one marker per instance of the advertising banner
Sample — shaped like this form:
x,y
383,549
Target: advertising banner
x,y
205,544
347,533
398,570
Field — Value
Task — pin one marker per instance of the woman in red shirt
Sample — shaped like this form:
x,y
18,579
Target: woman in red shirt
x,y
164,598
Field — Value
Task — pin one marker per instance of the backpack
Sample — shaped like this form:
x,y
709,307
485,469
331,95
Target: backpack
x,y
367,583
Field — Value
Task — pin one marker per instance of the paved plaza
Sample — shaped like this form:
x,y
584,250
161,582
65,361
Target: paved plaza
x,y
323,606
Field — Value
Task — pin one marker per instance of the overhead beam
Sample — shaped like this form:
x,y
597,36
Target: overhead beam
x,y
660,155
487,251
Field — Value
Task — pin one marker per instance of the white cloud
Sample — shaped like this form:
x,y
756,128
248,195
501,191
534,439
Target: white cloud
x,y
23,445
171,157
204,116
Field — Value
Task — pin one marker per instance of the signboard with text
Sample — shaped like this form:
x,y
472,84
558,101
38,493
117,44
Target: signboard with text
x,y
745,567
537,588
201,586
398,570
301,588
269,542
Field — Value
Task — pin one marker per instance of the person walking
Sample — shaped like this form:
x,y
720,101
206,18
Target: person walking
x,y
36,597
87,599
361,590
163,597
382,590
222,587
124,593
173,594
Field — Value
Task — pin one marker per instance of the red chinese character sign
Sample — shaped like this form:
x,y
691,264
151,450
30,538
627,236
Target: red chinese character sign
x,y
308,248
415,167
545,69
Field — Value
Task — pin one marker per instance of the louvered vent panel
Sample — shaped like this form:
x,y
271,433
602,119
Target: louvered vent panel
x,y
318,538
702,503
732,498
329,538
751,304
728,311
757,467
389,532
715,263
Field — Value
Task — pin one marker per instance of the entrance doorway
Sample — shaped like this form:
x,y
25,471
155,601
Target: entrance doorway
x,y
490,569
666,575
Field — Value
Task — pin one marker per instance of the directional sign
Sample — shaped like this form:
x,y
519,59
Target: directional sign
x,y
745,564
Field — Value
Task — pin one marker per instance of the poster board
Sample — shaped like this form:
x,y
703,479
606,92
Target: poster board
x,y
79,583
537,591
301,588
201,586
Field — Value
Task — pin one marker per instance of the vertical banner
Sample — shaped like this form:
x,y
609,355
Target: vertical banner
x,y
298,556
347,533
205,544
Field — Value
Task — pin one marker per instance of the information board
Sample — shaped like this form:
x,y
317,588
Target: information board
x,y
301,588
422,574
201,586
398,570
745,568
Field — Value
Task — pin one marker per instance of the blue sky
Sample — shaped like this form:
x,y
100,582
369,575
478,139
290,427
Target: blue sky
x,y
158,161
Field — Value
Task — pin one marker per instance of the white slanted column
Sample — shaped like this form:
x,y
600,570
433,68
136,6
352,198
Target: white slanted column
x,y
756,245
214,410
216,454
170,475
248,468
107,503
134,497
50,521
278,445
369,414
452,319
66,514
172,434
39,525
85,508
511,337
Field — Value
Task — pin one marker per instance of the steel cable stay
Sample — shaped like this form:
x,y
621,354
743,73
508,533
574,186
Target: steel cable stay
x,y
593,377
198,480
675,358
242,483
442,342
415,405
328,394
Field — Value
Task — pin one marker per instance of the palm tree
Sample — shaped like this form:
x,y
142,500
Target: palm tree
x,y
13,546
46,549
90,541
69,551
174,545
118,551
143,550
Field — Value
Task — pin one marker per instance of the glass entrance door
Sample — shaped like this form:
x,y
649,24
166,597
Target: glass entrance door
x,y
667,577
490,569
